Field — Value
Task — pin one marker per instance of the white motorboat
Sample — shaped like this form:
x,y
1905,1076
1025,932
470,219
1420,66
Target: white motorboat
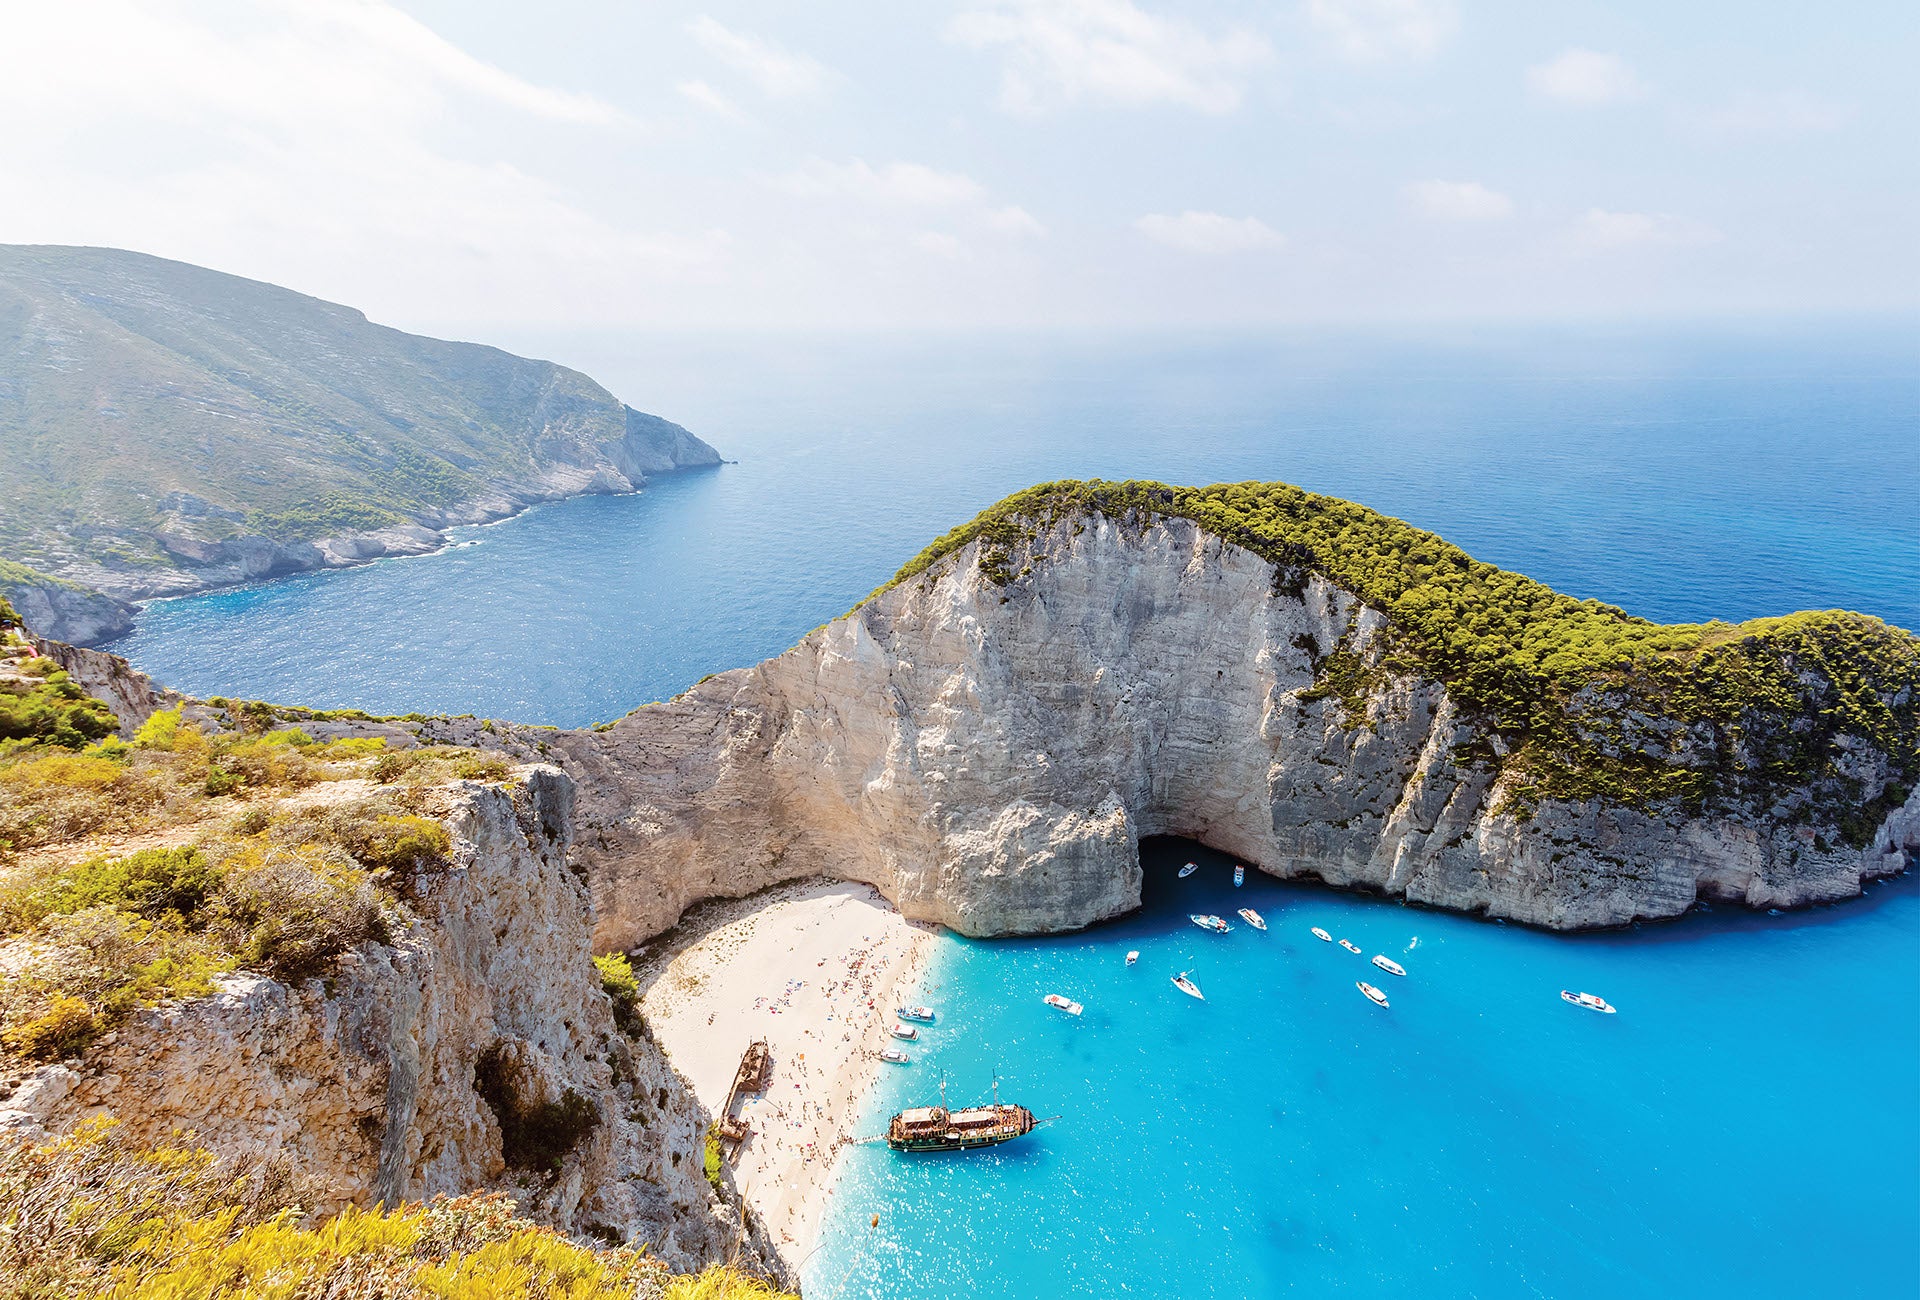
x,y
1322,935
1067,1005
1374,995
1389,965
1133,957
922,1014
1253,918
1212,923
1239,876
1189,869
1591,1001
1350,946
1188,987
895,1055
904,1031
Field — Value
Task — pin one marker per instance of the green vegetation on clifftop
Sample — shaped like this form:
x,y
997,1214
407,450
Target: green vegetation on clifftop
x,y
1811,717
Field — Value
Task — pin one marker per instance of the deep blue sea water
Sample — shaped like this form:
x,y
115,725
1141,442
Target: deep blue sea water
x,y
1748,1125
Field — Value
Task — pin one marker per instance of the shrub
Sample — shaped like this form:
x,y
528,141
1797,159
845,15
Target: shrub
x,y
159,731
146,883
395,842
620,984
715,1160
481,767
393,766
97,1215
112,961
64,1026
52,796
293,910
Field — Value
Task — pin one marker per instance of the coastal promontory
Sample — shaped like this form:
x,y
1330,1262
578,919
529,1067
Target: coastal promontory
x,y
166,429
1298,681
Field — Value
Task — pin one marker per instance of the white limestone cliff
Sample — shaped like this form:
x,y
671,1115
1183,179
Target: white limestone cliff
x,y
990,755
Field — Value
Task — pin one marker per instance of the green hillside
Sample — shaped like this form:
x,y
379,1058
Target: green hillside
x,y
1817,713
154,414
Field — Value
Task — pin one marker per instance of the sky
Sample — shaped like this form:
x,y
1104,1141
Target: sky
x,y
1006,164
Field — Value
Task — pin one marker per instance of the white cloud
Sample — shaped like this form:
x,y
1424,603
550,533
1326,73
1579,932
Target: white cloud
x,y
1600,231
1014,221
939,243
316,143
897,184
1586,78
1209,232
699,92
780,74
1458,201
1791,112
1108,52
1381,31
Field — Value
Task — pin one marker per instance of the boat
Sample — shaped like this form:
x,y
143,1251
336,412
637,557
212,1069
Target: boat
x,y
1389,965
1133,957
1188,987
904,1031
1590,1001
1239,876
1067,1005
1374,995
895,1055
1253,918
1212,923
1322,935
922,1014
1350,946
935,1128
1189,869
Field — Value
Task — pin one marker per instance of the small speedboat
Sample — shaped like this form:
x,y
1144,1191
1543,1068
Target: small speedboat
x,y
1239,876
1322,935
904,1031
1389,965
1133,957
1374,995
1590,1001
1189,869
1067,1005
922,1014
1188,987
1253,918
895,1055
1350,946
1212,923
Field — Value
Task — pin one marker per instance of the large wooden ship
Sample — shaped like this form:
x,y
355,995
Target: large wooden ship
x,y
935,1128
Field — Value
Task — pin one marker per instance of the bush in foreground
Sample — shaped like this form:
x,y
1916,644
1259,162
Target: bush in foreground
x,y
92,1214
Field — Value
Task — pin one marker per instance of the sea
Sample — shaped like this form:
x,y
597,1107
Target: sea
x,y
1748,1124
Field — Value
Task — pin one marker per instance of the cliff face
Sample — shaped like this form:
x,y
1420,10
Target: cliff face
x,y
988,752
427,1065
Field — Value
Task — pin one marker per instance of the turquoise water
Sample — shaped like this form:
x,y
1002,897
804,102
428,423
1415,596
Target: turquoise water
x,y
1745,1126
1748,1125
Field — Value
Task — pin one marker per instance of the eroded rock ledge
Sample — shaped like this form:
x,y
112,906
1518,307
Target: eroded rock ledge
x,y
987,742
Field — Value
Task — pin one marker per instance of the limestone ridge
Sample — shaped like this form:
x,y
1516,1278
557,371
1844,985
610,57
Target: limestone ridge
x,y
987,738
143,402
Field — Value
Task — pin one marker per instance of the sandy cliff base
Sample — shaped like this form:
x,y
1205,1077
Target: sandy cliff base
x,y
816,970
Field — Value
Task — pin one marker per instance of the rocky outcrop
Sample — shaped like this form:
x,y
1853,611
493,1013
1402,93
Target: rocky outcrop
x,y
68,611
988,743
131,694
478,1038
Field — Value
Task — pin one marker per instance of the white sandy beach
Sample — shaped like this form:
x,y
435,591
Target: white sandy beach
x,y
816,969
